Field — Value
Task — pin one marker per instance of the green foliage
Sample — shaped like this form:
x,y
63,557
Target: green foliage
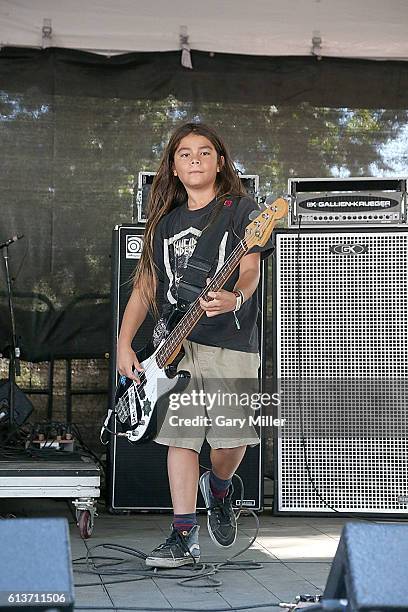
x,y
73,163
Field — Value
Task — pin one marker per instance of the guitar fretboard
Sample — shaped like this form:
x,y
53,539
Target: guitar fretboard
x,y
195,312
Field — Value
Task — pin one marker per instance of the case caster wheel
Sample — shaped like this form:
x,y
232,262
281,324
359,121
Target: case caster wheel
x,y
85,524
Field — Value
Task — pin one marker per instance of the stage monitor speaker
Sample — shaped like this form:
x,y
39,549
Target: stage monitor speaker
x,y
35,565
22,405
137,474
370,568
340,327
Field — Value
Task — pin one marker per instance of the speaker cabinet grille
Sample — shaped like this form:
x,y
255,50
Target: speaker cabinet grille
x,y
341,329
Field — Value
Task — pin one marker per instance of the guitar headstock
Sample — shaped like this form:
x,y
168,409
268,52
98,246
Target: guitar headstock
x,y
259,230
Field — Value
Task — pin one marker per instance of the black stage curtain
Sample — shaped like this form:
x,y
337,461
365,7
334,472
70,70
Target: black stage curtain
x,y
76,128
222,78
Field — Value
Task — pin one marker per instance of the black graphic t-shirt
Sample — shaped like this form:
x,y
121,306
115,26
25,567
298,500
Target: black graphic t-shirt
x,y
175,239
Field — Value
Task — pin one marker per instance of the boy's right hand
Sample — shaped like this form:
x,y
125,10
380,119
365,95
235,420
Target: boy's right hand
x,y
127,361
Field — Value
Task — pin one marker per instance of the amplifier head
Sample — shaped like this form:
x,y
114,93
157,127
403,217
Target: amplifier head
x,y
141,196
347,202
144,185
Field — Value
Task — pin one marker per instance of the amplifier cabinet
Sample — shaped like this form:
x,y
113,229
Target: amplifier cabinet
x,y
137,473
340,327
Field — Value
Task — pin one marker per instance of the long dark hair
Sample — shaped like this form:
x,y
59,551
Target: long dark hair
x,y
168,191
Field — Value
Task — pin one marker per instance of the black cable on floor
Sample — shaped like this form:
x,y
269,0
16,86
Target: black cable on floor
x,y
198,572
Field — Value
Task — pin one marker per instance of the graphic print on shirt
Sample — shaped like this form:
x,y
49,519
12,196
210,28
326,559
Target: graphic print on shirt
x,y
177,250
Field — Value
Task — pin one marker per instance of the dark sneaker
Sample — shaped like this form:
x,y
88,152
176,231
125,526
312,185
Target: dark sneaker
x,y
221,521
180,548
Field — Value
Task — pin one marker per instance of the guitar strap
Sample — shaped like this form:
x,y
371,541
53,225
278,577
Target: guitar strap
x,y
205,252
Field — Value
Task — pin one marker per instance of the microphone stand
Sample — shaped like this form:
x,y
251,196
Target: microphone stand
x,y
14,357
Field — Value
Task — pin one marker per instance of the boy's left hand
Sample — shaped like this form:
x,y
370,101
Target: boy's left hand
x,y
219,302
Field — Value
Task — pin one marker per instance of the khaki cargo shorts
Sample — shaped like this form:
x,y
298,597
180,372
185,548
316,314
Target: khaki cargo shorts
x,y
216,405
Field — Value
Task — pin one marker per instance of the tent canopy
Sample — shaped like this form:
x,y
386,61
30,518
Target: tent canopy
x,y
370,29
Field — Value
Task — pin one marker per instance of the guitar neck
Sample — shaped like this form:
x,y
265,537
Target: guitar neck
x,y
195,312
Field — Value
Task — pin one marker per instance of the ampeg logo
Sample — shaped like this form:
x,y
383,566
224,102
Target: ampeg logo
x,y
403,499
348,249
134,245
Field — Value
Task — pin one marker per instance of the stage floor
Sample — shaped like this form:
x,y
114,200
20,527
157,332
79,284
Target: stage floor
x,y
295,554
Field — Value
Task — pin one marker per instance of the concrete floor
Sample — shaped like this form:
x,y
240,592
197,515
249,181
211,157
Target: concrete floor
x,y
295,556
